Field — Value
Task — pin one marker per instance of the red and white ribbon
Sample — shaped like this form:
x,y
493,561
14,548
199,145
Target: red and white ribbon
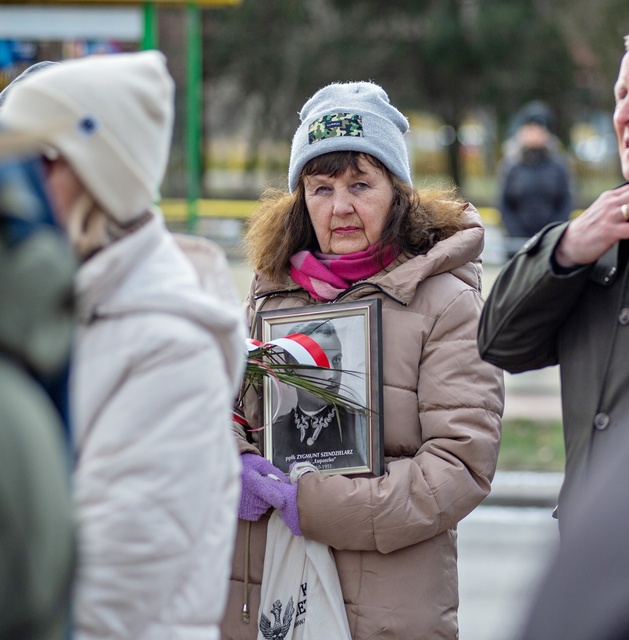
x,y
301,347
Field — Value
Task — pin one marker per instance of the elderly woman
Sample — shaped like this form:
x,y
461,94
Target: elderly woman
x,y
352,227
157,359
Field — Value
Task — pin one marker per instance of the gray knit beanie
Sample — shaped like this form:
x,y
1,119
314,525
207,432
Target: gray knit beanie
x,y
352,116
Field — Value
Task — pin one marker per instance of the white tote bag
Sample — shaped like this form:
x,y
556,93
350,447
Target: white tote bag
x,y
301,595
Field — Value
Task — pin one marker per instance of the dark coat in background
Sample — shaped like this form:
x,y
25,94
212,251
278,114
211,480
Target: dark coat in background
x,y
536,317
584,592
535,191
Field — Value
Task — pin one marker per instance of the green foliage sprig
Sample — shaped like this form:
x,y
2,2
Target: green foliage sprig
x,y
269,362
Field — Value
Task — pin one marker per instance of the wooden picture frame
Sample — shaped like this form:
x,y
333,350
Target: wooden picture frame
x,y
298,426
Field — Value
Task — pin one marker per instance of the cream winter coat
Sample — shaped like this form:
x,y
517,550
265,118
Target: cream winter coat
x,y
394,537
158,358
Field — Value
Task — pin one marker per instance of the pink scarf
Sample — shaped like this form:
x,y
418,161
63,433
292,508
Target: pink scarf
x,y
325,276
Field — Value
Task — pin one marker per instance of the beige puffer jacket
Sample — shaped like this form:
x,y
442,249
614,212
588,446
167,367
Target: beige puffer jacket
x,y
394,537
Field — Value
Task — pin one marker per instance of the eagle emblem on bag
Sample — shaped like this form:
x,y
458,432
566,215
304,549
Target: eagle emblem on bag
x,y
277,630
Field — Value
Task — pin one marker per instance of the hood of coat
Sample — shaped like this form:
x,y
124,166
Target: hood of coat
x,y
151,270
460,254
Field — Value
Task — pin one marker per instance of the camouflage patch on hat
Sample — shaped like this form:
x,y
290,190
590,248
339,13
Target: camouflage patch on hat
x,y
334,125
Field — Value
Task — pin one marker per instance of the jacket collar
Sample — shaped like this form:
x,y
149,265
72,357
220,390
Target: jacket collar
x,y
100,277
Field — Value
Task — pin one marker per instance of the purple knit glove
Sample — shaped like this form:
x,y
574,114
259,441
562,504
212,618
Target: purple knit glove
x,y
265,486
289,512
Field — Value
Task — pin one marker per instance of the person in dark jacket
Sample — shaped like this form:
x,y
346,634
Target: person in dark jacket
x,y
534,185
37,531
564,299
583,594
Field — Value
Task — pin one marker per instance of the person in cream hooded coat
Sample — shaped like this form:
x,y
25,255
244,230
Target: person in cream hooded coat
x,y
158,357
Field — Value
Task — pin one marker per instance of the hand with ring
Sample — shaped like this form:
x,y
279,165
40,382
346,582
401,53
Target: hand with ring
x,y
596,230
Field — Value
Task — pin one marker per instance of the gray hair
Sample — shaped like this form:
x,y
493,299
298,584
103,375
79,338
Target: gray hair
x,y
314,327
627,43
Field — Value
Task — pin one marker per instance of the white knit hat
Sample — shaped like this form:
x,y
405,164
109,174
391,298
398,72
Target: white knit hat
x,y
351,116
109,116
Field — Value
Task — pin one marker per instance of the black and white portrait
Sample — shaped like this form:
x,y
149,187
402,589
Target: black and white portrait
x,y
302,427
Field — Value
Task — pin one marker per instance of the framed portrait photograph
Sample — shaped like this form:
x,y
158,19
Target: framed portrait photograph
x,y
345,342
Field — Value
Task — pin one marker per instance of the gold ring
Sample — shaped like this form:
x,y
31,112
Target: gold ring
x,y
625,212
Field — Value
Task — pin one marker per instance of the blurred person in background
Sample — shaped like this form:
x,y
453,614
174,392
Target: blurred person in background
x,y
352,227
37,541
157,360
564,299
534,180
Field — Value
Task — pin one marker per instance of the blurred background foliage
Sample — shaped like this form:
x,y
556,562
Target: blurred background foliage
x,y
460,69
532,445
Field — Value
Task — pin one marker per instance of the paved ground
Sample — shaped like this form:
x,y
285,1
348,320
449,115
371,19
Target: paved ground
x,y
534,394
503,553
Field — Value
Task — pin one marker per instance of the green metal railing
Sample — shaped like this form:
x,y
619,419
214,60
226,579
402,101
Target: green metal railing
x,y
194,98
194,73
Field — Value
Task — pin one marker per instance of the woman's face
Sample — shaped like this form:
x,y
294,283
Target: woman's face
x,y
348,212
64,188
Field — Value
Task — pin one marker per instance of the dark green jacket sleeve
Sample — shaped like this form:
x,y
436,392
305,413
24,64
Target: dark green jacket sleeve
x,y
527,305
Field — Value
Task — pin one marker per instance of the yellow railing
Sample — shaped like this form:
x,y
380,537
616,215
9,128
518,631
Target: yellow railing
x,y
177,210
